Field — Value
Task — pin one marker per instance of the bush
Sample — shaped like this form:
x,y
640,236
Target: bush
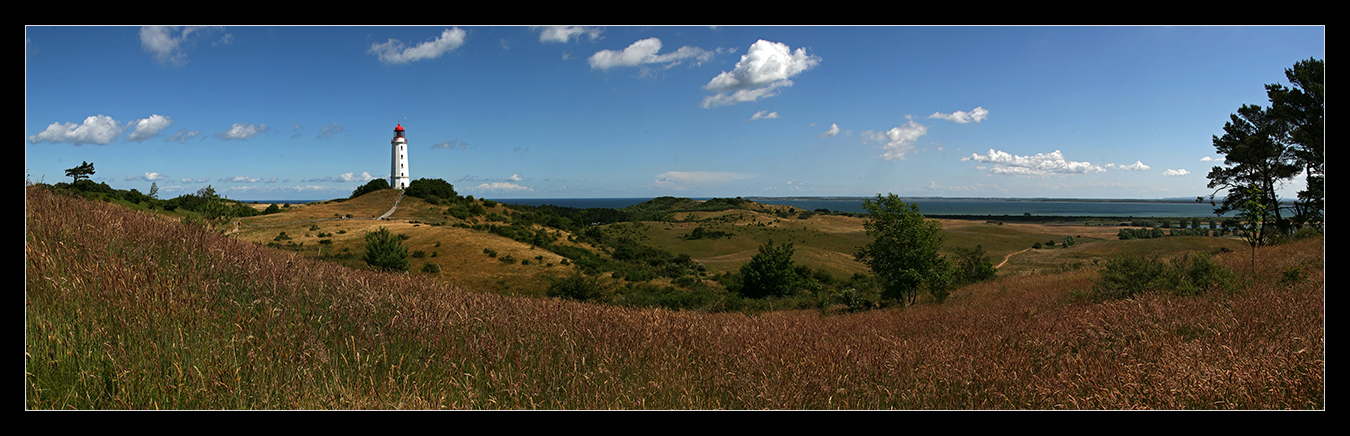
x,y
972,266
1127,276
579,287
385,251
371,186
431,268
770,273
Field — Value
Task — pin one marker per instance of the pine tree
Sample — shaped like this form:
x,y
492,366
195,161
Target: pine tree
x,y
386,251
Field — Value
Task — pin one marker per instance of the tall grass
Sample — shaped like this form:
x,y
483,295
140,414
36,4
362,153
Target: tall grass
x,y
127,311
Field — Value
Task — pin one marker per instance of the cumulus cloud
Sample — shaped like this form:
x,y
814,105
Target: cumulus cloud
x,y
761,72
515,178
644,52
98,129
832,131
764,115
1212,159
166,42
566,33
192,180
1040,165
395,52
147,128
978,114
243,131
149,177
898,141
1136,166
1172,172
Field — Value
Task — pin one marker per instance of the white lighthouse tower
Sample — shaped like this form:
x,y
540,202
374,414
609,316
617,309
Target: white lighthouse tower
x,y
398,161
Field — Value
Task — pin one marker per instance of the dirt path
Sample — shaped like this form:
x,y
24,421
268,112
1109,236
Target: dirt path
x,y
1009,256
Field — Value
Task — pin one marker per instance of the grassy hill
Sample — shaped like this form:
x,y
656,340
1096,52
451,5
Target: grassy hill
x,y
335,230
124,310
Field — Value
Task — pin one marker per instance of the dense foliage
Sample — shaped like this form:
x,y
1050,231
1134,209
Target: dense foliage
x,y
385,251
904,249
371,186
1265,147
434,191
770,273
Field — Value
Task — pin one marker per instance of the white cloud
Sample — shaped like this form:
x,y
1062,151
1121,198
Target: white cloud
x,y
344,177
565,33
395,52
1136,166
643,52
453,143
243,131
166,42
682,179
833,131
328,131
240,179
764,115
191,180
765,68
500,187
515,178
183,135
978,114
1212,159
1172,172
147,128
149,177
98,129
352,177
898,141
1040,165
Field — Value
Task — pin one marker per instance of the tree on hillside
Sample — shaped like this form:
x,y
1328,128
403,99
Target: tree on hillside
x,y
432,190
1264,147
385,251
770,273
1255,157
904,249
1303,108
83,171
371,186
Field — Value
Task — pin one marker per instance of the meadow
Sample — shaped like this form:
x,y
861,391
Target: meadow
x,y
126,310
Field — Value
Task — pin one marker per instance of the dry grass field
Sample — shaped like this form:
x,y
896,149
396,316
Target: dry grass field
x,y
124,310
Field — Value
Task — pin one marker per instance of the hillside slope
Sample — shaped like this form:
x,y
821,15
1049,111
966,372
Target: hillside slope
x,y
127,311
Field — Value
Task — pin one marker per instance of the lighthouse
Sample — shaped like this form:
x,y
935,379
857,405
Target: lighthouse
x,y
398,160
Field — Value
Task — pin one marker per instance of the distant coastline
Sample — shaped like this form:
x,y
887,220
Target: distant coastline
x,y
968,207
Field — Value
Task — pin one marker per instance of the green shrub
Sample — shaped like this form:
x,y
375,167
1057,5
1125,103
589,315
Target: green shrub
x,y
580,287
431,268
1126,276
385,251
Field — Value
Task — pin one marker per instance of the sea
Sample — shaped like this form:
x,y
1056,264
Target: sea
x,y
935,206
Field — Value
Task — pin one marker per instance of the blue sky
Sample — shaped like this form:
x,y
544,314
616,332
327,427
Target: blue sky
x,y
305,112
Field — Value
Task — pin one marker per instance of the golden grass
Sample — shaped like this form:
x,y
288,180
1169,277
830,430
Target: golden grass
x,y
125,311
